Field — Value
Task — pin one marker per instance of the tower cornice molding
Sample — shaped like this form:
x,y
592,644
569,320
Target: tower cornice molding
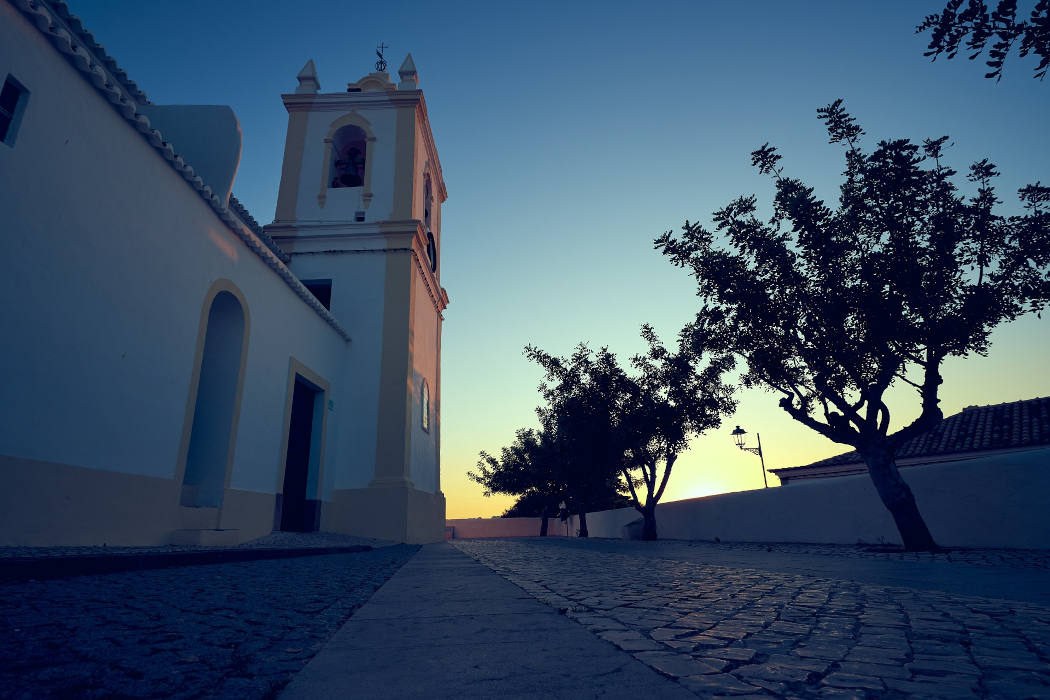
x,y
345,101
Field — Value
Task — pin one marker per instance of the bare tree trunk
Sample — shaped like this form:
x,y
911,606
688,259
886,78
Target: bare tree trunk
x,y
583,522
898,499
649,522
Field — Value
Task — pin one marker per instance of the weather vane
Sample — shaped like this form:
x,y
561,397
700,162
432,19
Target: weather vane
x,y
381,63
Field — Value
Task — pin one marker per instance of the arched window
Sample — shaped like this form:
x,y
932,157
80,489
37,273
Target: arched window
x,y
424,405
432,252
428,203
349,146
210,453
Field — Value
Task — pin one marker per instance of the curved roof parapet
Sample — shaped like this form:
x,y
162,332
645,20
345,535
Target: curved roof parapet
x,y
208,137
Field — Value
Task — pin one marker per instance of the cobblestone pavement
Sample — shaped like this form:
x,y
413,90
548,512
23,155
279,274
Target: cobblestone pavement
x,y
238,630
736,631
275,540
1016,558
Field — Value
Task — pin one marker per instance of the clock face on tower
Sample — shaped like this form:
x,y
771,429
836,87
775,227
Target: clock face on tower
x,y
432,252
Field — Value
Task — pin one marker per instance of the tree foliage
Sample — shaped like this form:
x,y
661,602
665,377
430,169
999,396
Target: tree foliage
x,y
831,307
973,26
613,424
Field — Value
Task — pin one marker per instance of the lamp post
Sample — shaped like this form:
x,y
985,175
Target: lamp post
x,y
738,436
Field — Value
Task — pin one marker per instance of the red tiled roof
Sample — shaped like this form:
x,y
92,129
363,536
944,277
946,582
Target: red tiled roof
x,y
999,427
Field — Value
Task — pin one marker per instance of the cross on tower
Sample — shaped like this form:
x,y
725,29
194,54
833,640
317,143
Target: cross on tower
x,y
381,63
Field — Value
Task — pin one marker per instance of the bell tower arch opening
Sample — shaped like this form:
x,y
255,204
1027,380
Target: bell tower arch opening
x,y
349,149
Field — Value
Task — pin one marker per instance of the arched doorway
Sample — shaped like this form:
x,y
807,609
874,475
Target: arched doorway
x,y
210,447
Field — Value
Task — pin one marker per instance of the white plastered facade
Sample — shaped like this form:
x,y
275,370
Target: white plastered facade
x,y
113,272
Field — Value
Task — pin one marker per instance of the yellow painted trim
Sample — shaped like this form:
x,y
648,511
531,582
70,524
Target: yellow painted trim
x,y
296,367
395,380
292,166
404,164
52,503
218,286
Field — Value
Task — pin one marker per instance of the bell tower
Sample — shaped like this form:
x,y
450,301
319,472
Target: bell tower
x,y
359,215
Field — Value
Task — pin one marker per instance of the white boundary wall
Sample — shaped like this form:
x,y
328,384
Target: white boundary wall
x,y
475,528
1000,501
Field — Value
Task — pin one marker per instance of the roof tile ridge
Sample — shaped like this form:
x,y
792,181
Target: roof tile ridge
x,y
246,217
77,29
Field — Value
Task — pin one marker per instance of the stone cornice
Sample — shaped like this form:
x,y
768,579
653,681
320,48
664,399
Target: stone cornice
x,y
343,101
54,24
438,295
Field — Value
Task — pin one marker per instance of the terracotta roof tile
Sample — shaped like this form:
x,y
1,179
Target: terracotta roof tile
x,y
977,428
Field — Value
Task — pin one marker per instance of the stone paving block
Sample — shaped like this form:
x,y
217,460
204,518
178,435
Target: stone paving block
x,y
876,656
942,667
715,662
919,689
704,641
665,633
676,665
814,665
790,627
741,654
679,646
1024,662
775,687
832,653
631,641
840,679
717,684
773,672
841,693
1029,690
877,670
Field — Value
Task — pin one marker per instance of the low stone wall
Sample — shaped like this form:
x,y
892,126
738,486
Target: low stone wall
x,y
998,501
473,528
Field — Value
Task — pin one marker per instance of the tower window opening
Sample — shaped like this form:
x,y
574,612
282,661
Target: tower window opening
x,y
428,203
348,157
12,103
432,252
424,405
322,290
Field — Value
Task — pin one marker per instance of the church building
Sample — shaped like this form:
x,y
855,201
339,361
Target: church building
x,y
175,373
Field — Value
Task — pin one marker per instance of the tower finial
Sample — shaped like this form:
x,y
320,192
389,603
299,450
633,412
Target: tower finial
x,y
408,75
307,78
381,63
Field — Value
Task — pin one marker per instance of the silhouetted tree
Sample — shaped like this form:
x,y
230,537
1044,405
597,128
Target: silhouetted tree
x,y
581,395
537,471
673,398
975,25
635,426
831,307
525,469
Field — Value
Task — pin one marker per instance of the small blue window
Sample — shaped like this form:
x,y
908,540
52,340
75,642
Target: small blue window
x,y
424,405
13,98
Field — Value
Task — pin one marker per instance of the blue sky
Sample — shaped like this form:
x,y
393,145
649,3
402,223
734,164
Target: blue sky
x,y
572,134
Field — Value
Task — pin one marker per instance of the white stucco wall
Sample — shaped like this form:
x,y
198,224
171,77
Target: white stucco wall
x,y
998,501
477,528
423,445
358,283
108,256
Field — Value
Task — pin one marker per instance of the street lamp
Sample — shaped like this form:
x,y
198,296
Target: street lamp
x,y
738,436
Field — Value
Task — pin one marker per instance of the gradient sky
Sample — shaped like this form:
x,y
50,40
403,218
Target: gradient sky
x,y
572,134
